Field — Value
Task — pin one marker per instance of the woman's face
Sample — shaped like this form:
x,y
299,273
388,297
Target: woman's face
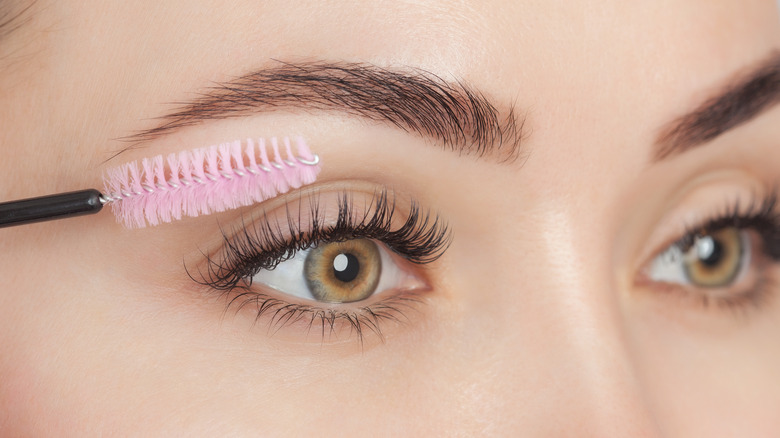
x,y
605,171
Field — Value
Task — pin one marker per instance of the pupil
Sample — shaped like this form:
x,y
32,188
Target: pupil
x,y
346,267
712,252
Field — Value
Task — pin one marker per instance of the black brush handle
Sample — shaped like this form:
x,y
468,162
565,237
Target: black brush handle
x,y
46,208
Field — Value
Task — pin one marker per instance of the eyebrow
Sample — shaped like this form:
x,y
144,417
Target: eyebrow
x,y
13,17
744,98
455,115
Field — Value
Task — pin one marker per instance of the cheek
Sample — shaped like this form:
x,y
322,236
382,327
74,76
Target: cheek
x,y
710,383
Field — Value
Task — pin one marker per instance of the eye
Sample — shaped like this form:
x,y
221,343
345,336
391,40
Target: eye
x,y
730,260
705,259
338,272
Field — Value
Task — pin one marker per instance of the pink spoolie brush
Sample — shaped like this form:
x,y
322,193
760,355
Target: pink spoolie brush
x,y
190,183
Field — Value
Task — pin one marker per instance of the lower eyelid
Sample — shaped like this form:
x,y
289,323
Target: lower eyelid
x,y
302,322
759,275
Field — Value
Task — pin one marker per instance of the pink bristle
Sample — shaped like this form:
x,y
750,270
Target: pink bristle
x,y
230,178
136,183
226,176
235,154
173,169
217,202
174,199
198,196
161,182
291,173
213,202
277,155
135,212
243,180
263,154
152,200
159,171
269,188
147,172
254,191
220,197
251,156
197,164
280,180
185,165
307,173
115,181
204,181
303,149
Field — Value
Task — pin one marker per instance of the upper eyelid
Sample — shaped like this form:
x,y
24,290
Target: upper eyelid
x,y
758,206
692,204
231,222
432,239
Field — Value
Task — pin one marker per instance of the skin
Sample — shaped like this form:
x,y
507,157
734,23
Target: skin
x,y
534,324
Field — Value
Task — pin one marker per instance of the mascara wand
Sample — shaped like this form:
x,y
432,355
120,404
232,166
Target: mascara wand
x,y
190,183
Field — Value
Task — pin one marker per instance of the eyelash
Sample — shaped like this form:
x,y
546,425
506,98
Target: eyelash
x,y
422,239
762,217
261,245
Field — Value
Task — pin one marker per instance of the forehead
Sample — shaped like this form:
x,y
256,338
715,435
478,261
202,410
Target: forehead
x,y
455,34
525,49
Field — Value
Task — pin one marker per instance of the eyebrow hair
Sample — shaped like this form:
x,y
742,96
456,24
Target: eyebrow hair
x,y
741,100
455,115
13,17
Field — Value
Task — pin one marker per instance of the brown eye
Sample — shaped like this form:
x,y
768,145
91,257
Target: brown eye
x,y
715,259
710,259
342,272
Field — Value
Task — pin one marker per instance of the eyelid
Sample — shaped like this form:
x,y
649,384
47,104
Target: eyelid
x,y
227,273
263,242
698,203
366,322
232,221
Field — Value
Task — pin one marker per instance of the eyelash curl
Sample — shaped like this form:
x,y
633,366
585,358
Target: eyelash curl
x,y
263,245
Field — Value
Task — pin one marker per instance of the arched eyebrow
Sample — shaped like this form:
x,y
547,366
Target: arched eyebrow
x,y
452,113
742,99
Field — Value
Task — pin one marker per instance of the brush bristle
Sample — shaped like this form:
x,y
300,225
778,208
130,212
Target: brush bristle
x,y
207,180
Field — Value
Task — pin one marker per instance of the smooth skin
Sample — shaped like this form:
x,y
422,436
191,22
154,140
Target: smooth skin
x,y
534,324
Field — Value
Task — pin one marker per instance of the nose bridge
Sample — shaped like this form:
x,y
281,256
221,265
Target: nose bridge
x,y
594,370
572,357
599,378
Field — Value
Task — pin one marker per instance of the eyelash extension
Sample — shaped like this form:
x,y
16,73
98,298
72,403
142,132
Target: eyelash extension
x,y
761,216
421,239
